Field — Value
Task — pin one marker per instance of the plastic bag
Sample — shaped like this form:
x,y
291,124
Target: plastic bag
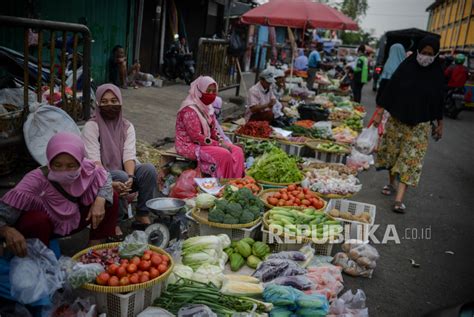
x,y
134,245
288,255
185,186
349,305
299,282
35,276
155,312
359,161
367,140
273,268
196,311
84,273
14,96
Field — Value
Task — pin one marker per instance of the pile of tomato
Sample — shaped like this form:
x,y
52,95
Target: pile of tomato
x,y
134,271
295,196
246,182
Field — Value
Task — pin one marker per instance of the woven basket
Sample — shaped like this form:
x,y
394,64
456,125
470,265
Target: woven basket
x,y
201,216
266,225
269,192
11,123
285,141
128,288
263,183
225,181
314,143
251,137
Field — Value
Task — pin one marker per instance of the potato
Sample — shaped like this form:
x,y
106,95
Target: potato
x,y
334,213
354,254
363,261
345,215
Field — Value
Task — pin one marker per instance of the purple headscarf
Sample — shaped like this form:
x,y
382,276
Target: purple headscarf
x,y
112,132
36,193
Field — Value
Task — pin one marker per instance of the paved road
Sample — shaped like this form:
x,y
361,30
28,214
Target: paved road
x,y
443,202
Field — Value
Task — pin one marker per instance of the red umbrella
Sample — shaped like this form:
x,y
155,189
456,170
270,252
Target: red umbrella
x,y
300,14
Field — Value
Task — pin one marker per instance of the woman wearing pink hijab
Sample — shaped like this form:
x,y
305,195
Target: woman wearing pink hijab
x,y
197,137
59,199
110,142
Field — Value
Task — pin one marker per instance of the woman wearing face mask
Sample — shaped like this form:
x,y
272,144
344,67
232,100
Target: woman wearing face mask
x,y
414,98
110,142
59,199
197,137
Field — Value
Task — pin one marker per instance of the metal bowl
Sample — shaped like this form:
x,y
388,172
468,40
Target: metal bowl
x,y
165,206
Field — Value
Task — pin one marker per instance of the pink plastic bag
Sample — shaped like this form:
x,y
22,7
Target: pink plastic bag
x,y
185,186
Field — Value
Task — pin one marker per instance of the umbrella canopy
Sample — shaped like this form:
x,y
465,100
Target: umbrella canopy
x,y
300,14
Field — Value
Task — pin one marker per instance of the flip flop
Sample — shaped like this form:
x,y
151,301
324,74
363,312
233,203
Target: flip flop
x,y
399,207
388,190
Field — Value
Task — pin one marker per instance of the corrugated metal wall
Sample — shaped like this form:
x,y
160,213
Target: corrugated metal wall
x,y
109,22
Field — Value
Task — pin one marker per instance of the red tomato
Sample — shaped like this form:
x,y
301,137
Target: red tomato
x,y
146,256
292,187
301,196
272,201
305,190
154,273
308,196
121,271
132,268
295,193
165,257
281,203
144,265
146,273
156,260
144,278
140,272
162,268
112,268
102,278
148,252
305,202
134,278
113,281
284,196
124,281
297,200
277,195
123,261
135,260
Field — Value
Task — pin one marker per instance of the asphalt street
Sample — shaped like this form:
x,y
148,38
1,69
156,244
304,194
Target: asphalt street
x,y
439,218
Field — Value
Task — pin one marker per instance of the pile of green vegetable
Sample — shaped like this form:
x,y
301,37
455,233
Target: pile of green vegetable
x,y
332,147
315,133
246,251
287,220
186,292
236,207
256,148
277,167
355,123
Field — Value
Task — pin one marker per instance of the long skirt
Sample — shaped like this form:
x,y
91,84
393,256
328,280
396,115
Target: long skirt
x,y
403,149
219,162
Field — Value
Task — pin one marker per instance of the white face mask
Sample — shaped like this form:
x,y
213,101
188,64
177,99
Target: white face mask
x,y
425,60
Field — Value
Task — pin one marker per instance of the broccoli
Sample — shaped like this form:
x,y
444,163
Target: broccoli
x,y
247,217
230,220
221,204
255,211
216,215
234,209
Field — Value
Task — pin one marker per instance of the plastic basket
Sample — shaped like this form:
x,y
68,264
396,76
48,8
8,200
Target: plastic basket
x,y
292,148
199,229
126,305
275,246
352,227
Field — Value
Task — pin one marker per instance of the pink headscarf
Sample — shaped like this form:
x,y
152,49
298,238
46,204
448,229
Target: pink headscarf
x,y
112,132
193,101
36,193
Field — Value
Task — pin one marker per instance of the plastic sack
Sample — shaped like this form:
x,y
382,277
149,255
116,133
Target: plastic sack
x,y
359,161
349,305
35,276
84,273
196,311
14,96
155,312
367,140
185,186
360,260
135,244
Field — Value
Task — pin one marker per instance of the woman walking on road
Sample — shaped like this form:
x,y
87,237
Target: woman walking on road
x,y
197,137
413,97
395,58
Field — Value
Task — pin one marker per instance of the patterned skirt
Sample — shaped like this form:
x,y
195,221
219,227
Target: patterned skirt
x,y
402,150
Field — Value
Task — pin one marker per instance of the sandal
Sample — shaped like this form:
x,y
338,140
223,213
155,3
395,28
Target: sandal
x,y
388,190
116,238
399,207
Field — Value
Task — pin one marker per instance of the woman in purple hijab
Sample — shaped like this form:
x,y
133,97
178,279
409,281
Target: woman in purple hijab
x,y
59,199
110,142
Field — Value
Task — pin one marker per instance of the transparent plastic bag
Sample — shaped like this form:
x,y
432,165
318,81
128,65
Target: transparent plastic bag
x,y
135,244
359,161
196,311
35,276
350,305
84,273
185,185
367,140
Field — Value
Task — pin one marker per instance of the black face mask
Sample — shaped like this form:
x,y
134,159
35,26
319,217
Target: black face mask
x,y
110,112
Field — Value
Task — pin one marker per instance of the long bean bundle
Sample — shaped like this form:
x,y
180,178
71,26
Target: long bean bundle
x,y
191,292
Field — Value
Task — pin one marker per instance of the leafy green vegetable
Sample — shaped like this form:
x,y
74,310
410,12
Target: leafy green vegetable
x,y
277,167
256,148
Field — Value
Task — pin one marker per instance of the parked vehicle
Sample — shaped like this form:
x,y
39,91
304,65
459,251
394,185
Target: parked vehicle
x,y
178,65
409,38
454,102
